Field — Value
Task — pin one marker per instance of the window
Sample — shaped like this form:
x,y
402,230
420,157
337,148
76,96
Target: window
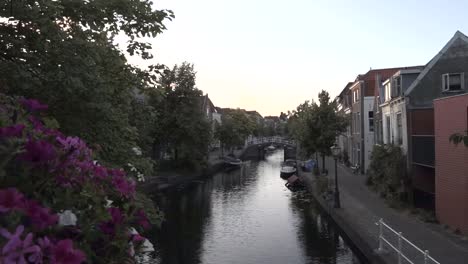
x,y
388,91
371,121
399,129
358,121
356,95
453,82
397,86
387,121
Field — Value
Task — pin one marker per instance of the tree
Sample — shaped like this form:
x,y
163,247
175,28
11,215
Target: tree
x,y
65,54
235,127
316,126
183,128
329,123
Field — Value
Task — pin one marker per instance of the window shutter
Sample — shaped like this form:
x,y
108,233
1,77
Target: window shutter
x,y
462,79
445,85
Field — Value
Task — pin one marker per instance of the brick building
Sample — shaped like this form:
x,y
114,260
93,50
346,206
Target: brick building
x,y
451,170
443,76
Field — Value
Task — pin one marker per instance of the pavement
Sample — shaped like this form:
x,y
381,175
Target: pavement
x,y
361,208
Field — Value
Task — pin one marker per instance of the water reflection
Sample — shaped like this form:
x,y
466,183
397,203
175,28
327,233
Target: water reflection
x,y
246,216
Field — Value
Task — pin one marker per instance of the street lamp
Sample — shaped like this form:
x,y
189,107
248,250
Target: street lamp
x,y
336,152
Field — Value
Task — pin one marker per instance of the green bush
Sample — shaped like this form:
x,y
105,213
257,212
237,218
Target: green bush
x,y
387,172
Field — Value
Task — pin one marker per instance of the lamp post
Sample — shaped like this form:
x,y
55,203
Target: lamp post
x,y
336,151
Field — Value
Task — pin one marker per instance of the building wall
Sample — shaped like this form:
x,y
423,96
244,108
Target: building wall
x,y
421,149
391,110
454,60
368,135
356,142
451,183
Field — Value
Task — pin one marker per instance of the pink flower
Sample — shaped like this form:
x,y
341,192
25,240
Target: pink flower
x,y
39,216
10,199
38,152
125,187
12,131
64,253
15,249
33,105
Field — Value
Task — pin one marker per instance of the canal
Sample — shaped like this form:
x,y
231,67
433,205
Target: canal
x,y
246,216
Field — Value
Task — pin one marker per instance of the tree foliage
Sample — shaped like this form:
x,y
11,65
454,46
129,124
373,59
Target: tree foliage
x,y
235,127
458,138
65,54
316,126
183,129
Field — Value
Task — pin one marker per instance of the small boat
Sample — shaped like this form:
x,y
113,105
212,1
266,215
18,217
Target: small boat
x,y
288,168
232,161
294,183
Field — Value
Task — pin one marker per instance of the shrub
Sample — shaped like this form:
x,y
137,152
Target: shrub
x,y
57,204
387,172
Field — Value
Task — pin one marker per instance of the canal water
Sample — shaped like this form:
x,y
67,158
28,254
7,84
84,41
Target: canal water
x,y
246,216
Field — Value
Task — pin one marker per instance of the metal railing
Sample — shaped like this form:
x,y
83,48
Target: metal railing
x,y
275,139
407,252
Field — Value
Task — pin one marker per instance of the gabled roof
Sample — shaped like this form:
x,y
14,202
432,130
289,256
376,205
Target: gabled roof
x,y
458,35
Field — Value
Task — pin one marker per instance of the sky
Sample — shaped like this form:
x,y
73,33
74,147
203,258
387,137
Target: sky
x,y
270,56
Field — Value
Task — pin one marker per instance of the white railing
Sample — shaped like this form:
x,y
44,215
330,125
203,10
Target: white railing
x,y
407,252
262,140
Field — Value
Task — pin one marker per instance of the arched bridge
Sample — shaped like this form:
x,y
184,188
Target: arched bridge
x,y
256,147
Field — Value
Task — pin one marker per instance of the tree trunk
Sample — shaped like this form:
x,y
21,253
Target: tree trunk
x,y
317,159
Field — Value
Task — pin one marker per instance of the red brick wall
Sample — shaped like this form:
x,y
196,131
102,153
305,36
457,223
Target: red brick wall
x,y
450,115
422,121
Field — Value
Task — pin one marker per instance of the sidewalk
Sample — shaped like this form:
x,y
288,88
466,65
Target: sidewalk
x,y
362,208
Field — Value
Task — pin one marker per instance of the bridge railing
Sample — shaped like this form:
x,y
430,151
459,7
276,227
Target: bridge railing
x,y
262,140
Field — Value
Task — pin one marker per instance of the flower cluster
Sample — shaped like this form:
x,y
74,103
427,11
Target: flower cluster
x,y
54,199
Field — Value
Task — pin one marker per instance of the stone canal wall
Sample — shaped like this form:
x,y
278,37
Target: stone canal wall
x,y
352,232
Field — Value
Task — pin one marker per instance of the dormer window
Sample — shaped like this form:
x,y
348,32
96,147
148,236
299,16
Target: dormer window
x,y
453,82
395,87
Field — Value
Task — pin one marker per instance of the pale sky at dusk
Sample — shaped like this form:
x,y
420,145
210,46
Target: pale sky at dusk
x,y
269,55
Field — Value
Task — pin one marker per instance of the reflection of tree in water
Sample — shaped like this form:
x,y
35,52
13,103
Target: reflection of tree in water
x,y
320,240
187,212
181,235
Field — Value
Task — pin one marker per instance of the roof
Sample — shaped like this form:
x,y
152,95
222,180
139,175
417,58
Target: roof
x,y
433,61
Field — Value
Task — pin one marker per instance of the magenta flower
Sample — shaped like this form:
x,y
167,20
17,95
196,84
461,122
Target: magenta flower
x,y
12,131
142,219
125,187
64,253
138,238
33,105
39,216
37,124
117,219
10,199
100,172
15,249
38,152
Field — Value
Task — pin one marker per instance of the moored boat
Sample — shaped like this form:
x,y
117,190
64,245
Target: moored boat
x,y
288,168
231,161
294,183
